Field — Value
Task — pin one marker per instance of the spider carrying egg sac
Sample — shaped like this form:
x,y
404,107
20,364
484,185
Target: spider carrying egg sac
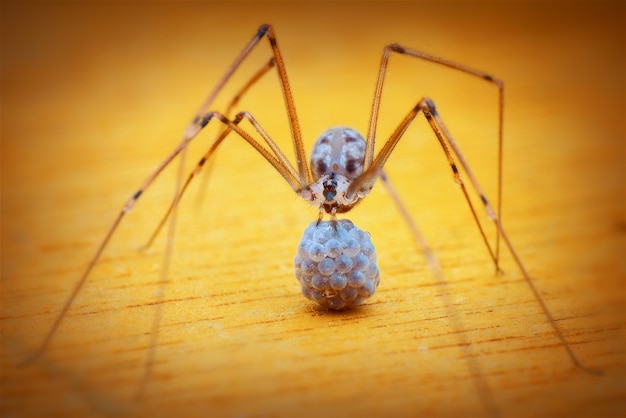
x,y
336,264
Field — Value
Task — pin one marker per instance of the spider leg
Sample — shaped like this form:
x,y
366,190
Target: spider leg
x,y
296,181
229,108
441,131
367,179
463,341
279,161
287,172
371,134
296,135
194,127
130,203
171,214
127,207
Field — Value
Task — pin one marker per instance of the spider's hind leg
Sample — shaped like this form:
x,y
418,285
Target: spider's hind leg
x,y
451,149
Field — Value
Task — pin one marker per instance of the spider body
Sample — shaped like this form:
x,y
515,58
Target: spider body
x,y
337,158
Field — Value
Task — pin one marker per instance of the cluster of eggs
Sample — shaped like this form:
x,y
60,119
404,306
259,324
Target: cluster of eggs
x,y
336,264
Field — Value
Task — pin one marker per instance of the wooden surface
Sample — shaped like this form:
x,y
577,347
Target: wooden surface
x,y
95,96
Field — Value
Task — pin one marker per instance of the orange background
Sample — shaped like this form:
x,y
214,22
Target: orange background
x,y
94,96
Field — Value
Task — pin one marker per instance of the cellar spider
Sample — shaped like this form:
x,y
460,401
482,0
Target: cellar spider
x,y
344,168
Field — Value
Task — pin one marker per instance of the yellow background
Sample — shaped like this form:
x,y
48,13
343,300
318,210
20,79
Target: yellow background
x,y
95,95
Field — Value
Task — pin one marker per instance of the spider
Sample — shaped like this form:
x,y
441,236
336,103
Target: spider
x,y
344,167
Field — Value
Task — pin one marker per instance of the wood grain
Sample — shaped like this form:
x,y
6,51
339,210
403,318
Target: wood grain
x,y
94,96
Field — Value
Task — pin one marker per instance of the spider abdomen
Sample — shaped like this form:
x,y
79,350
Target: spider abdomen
x,y
339,150
336,264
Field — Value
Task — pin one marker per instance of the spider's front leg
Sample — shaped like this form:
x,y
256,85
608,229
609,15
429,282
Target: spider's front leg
x,y
498,83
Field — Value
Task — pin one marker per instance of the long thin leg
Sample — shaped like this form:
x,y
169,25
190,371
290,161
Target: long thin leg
x,y
130,203
446,141
154,333
463,342
294,125
371,134
128,206
441,131
171,212
301,157
279,162
366,181
282,166
191,131
229,108
285,172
